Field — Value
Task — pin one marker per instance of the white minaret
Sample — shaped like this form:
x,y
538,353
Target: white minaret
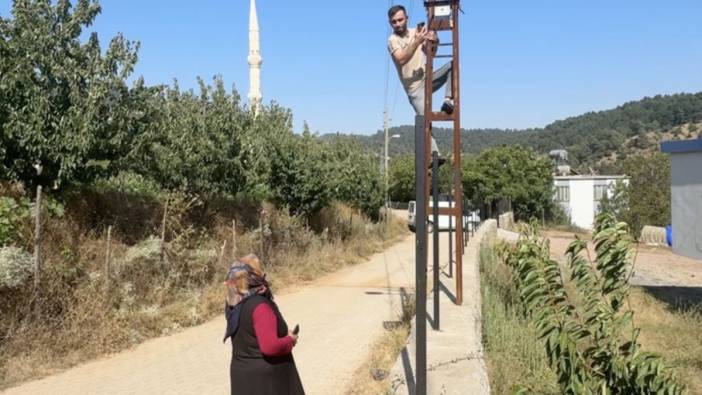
x,y
254,59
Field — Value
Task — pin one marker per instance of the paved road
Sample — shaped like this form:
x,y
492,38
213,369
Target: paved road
x,y
340,316
455,359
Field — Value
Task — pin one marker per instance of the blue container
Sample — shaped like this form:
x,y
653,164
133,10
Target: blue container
x,y
669,235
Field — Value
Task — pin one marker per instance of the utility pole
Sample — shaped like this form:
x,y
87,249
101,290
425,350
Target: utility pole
x,y
386,123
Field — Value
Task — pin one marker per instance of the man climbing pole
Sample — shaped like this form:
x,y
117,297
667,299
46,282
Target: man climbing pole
x,y
407,48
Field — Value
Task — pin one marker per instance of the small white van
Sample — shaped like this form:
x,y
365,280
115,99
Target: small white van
x,y
444,219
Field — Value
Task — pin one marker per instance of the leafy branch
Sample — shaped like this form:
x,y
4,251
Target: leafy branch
x,y
590,339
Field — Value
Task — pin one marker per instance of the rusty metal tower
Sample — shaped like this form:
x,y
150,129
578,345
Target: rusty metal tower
x,y
442,15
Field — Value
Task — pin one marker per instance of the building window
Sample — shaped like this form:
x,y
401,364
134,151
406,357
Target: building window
x,y
563,193
600,192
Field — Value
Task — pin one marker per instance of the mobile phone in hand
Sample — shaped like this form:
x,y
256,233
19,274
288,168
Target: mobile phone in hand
x,y
296,329
420,25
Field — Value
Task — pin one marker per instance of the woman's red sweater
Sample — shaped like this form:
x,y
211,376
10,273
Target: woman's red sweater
x,y
265,326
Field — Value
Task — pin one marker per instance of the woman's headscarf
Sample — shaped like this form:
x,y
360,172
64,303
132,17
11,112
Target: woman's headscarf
x,y
255,284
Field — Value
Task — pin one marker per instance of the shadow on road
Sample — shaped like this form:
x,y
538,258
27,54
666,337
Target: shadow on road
x,y
448,293
409,374
678,299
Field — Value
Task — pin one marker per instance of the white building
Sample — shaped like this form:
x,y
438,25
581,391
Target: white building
x,y
580,196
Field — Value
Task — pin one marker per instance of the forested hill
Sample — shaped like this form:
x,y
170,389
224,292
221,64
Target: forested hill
x,y
594,139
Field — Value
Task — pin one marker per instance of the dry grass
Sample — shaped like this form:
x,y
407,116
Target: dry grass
x,y
373,376
515,356
674,332
149,298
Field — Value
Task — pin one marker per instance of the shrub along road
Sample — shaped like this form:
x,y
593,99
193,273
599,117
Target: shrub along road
x,y
340,316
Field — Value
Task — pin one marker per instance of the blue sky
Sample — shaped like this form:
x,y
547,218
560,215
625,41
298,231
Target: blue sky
x,y
523,63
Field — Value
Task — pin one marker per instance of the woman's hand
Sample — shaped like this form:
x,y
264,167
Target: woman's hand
x,y
294,337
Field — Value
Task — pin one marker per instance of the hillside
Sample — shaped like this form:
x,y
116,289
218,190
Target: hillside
x,y
593,140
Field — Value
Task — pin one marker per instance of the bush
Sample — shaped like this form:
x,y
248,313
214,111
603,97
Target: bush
x,y
15,267
12,214
585,325
131,183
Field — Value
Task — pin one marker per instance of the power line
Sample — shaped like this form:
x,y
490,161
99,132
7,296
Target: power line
x,y
387,67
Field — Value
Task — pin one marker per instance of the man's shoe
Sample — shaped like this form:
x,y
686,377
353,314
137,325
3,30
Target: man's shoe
x,y
447,107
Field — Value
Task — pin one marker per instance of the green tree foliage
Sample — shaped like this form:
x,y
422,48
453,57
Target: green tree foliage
x,y
588,137
63,101
648,192
401,185
298,175
645,200
262,139
616,201
13,212
354,176
64,105
510,172
402,181
192,141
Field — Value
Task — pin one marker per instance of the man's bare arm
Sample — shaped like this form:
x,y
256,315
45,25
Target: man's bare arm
x,y
402,56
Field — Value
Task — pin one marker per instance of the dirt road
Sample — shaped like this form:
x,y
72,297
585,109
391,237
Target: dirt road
x,y
340,316
673,278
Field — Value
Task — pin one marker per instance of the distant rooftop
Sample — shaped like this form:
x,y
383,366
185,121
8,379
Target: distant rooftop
x,y
590,177
676,147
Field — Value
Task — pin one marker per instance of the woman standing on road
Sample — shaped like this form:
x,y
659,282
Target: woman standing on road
x,y
262,361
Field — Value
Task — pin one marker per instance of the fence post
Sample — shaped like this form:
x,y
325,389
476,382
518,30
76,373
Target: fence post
x,y
220,260
162,251
37,242
233,239
465,229
266,232
108,258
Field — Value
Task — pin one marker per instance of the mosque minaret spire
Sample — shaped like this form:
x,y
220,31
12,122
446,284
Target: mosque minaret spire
x,y
254,59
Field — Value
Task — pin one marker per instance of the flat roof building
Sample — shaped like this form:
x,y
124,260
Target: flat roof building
x,y
686,195
580,195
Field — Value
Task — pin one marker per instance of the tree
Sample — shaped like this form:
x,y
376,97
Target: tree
x,y
402,179
616,202
192,142
648,192
299,179
510,172
354,176
62,101
401,182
